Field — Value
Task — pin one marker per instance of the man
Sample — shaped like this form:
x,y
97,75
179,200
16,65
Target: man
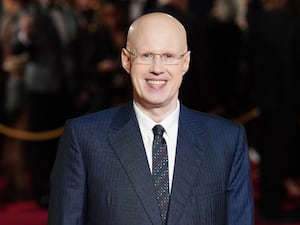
x,y
104,172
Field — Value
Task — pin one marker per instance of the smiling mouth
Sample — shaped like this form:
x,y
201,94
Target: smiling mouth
x,y
156,82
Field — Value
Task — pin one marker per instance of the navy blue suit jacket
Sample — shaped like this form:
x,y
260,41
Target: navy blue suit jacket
x,y
101,175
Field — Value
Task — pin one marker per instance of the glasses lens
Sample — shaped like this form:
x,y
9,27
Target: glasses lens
x,y
148,58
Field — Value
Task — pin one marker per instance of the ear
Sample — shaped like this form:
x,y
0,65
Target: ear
x,y
186,62
126,63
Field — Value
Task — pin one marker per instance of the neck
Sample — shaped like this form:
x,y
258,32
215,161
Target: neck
x,y
157,112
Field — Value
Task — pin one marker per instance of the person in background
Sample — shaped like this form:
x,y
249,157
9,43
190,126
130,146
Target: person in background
x,y
225,40
46,33
13,162
111,82
275,48
89,19
153,160
102,34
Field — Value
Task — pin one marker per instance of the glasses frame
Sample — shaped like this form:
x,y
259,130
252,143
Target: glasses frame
x,y
136,55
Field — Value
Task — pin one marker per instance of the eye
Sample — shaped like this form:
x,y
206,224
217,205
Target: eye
x,y
147,56
168,56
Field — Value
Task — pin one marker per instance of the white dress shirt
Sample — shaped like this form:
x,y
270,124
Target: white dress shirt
x,y
170,125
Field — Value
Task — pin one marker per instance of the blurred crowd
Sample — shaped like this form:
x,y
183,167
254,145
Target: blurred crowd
x,y
61,59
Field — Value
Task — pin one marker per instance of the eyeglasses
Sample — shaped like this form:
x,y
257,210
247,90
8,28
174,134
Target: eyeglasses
x,y
148,58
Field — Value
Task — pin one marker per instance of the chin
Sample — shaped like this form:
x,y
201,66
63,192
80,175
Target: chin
x,y
153,103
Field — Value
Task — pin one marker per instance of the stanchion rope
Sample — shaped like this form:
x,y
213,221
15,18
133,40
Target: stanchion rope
x,y
29,135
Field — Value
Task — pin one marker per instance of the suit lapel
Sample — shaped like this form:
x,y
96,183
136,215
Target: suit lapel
x,y
189,154
127,143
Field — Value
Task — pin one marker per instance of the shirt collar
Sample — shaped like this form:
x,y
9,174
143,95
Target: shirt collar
x,y
146,123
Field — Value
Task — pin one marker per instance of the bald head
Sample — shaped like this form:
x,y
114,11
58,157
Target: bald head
x,y
158,28
156,80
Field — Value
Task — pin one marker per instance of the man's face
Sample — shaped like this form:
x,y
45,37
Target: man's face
x,y
156,83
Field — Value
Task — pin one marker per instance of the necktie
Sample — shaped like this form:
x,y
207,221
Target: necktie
x,y
160,171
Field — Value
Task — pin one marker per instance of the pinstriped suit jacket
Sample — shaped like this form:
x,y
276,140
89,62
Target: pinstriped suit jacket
x,y
101,174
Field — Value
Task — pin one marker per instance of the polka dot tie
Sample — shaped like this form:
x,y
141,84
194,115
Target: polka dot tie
x,y
160,171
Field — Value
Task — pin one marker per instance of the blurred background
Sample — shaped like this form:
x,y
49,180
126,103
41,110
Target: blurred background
x,y
61,59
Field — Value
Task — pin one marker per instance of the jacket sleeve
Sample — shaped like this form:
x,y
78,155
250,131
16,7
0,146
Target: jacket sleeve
x,y
240,202
68,183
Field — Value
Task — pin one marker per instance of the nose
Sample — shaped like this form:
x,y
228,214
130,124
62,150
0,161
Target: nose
x,y
157,66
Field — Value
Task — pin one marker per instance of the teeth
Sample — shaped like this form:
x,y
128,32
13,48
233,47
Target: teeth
x,y
156,82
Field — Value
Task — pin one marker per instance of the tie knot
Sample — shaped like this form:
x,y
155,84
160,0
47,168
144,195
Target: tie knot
x,y
158,130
